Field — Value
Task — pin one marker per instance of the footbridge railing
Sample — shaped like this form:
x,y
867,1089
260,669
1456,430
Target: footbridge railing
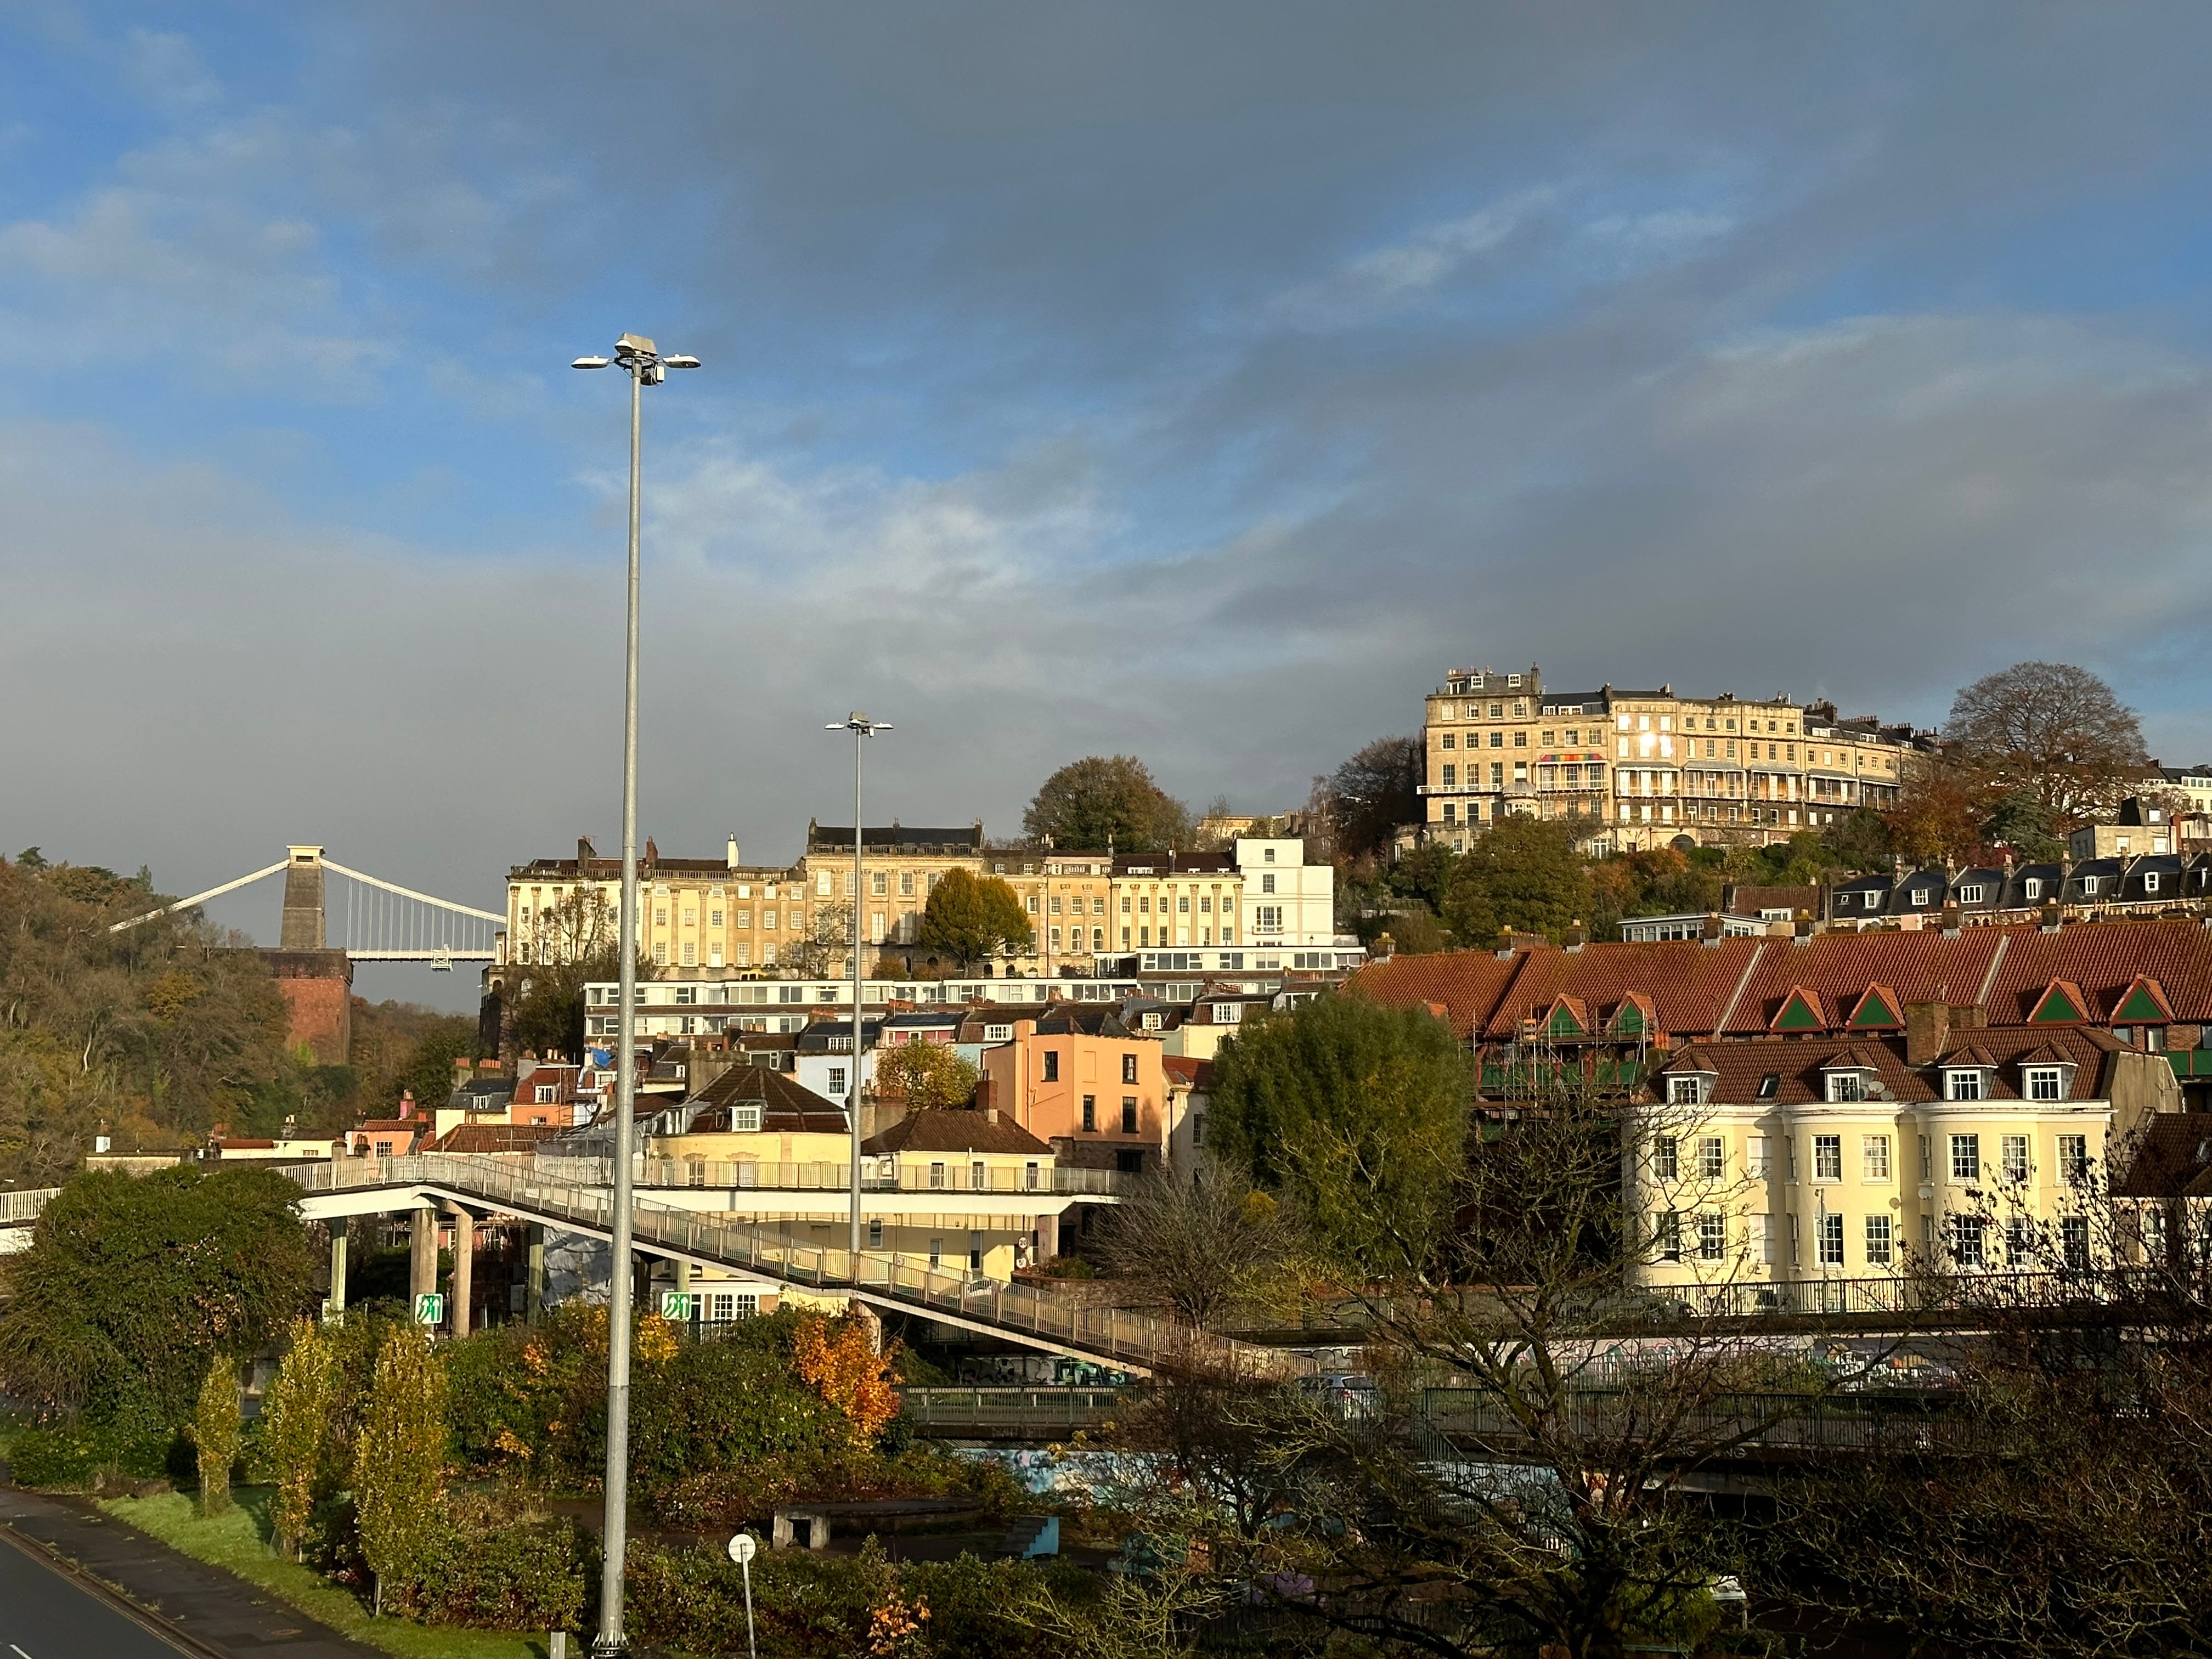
x,y
1131,1341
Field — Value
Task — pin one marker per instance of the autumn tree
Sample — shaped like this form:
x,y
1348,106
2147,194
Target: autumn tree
x,y
1371,795
2053,730
399,1464
1101,801
927,1076
216,1431
1207,1250
579,948
1522,873
296,1420
969,919
838,1359
1938,818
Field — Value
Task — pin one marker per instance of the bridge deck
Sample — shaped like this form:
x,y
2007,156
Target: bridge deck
x,y
1030,1317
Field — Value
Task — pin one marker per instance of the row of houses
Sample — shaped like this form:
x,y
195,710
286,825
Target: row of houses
x,y
1838,1104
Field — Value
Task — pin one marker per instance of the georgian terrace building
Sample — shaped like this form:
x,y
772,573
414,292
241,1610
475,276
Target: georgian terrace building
x,y
1652,765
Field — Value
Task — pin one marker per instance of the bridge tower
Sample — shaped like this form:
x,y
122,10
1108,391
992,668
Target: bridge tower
x,y
303,900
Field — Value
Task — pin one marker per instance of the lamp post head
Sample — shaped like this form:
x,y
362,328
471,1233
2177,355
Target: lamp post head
x,y
858,725
634,345
592,362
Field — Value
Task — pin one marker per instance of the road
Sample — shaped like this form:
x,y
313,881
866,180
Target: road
x,y
44,1615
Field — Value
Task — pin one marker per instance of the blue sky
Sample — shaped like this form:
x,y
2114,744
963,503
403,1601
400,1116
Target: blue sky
x,y
1198,382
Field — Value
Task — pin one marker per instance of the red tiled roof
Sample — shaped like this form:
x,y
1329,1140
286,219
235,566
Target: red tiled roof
x,y
1689,982
2104,958
1838,968
2173,1159
1797,1065
1195,1073
1466,983
480,1138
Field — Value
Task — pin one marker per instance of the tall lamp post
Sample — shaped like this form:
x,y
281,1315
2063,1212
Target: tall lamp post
x,y
645,366
860,726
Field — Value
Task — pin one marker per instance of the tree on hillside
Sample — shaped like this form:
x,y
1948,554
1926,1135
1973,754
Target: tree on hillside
x,y
548,1016
969,919
1522,873
1091,803
1342,1084
927,1076
132,1283
2053,730
1660,882
1859,840
2024,824
1371,795
1938,818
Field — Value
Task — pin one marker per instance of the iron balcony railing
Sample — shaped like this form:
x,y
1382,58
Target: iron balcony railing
x,y
1135,1340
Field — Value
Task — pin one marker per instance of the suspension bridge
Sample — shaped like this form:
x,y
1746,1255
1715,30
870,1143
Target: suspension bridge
x,y
379,920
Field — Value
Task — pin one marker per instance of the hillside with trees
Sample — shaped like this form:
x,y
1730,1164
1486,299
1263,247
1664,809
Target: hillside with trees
x,y
161,1033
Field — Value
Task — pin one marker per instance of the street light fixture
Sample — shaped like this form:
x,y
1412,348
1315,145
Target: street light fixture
x,y
645,366
860,726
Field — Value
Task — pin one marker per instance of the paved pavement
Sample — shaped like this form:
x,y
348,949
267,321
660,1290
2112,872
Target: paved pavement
x,y
206,1612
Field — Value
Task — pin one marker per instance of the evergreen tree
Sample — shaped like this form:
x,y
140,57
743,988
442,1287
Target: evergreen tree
x,y
296,1422
968,918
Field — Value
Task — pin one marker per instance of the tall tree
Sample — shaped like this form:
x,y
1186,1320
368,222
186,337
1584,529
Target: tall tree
x,y
400,1461
927,1076
969,919
2053,730
1101,799
217,1432
1522,873
1369,795
296,1432
1354,1113
1938,817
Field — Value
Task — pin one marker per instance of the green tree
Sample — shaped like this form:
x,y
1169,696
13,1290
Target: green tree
x,y
399,1463
1859,840
296,1418
1101,801
968,918
1521,873
217,1431
131,1283
1355,1114
2025,824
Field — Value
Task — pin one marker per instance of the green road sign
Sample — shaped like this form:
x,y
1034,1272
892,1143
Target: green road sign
x,y
430,1308
676,1304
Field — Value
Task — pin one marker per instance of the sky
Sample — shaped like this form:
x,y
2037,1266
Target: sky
x,y
1198,382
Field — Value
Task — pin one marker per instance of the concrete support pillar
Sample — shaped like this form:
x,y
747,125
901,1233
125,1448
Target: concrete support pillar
x,y
533,1283
337,1268
1047,1233
683,1275
422,1254
464,1271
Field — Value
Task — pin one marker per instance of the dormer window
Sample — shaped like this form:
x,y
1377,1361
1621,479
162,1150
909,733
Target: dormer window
x,y
745,1117
2089,885
1919,895
2032,888
998,1034
2150,881
1846,1085
1963,1083
2045,1082
1687,1089
1973,893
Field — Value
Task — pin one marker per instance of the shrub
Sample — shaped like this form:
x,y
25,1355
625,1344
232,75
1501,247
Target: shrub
x,y
528,1576
216,1431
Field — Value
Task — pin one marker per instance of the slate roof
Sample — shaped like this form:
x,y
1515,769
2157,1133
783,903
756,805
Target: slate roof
x,y
1798,1065
789,1108
955,1130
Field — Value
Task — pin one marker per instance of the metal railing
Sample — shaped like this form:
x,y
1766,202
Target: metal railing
x,y
1770,1424
953,1172
1136,1341
1018,1412
25,1205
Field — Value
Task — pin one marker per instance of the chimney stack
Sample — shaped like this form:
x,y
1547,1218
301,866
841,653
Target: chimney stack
x,y
732,850
1578,935
1382,948
1927,1032
1804,929
406,1104
1710,931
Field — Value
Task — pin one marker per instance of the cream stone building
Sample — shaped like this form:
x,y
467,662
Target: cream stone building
x,y
1790,1160
1647,768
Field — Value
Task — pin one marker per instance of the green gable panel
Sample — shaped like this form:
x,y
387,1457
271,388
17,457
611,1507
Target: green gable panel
x,y
1872,1011
2055,1008
1797,1015
2140,1006
1564,1024
1630,1022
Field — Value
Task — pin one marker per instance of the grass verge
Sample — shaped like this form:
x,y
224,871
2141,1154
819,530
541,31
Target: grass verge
x,y
238,1539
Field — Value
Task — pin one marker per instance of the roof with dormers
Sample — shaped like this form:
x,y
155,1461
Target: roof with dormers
x,y
1797,1065
1738,987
